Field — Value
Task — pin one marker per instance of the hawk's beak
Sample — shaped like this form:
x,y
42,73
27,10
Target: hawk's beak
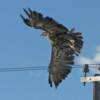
x,y
44,34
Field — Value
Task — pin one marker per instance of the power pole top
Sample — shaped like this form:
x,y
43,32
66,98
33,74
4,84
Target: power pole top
x,y
96,85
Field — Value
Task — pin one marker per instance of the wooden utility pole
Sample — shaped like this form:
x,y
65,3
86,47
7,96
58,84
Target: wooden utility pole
x,y
96,85
96,89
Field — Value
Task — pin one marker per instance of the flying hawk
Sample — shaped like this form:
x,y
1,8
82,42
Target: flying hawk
x,y
65,44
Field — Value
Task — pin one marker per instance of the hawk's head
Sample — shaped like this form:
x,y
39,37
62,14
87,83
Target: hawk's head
x,y
49,37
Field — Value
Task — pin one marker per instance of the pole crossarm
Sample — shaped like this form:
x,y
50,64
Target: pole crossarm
x,y
90,79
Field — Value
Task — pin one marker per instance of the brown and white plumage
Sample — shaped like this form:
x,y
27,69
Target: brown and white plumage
x,y
65,44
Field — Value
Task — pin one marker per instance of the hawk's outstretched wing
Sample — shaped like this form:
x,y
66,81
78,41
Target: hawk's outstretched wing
x,y
60,66
38,21
65,44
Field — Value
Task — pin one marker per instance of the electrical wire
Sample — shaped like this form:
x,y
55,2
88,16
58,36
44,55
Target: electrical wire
x,y
12,69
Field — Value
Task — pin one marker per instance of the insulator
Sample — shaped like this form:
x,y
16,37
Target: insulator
x,y
86,68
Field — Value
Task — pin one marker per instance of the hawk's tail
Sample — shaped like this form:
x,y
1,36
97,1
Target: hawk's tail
x,y
76,42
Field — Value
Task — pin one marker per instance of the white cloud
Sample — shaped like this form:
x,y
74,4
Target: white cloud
x,y
97,56
84,60
94,60
98,49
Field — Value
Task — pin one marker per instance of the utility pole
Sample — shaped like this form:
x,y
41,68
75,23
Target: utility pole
x,y
96,89
96,85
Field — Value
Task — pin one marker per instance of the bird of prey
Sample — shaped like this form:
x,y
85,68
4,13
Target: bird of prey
x,y
65,44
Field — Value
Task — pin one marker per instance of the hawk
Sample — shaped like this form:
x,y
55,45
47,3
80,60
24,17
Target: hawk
x,y
65,44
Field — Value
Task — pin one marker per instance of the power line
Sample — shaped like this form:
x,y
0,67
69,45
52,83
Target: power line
x,y
21,69
12,69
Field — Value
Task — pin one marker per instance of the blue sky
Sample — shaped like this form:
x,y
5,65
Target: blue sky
x,y
23,46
